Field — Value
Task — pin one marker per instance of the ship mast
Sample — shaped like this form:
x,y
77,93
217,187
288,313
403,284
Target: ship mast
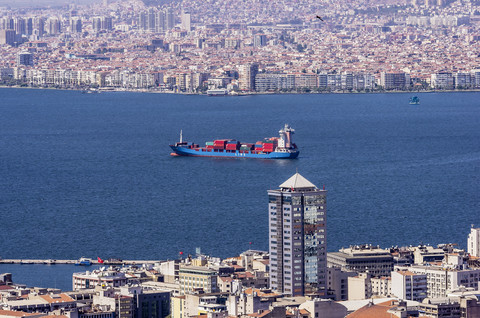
x,y
181,137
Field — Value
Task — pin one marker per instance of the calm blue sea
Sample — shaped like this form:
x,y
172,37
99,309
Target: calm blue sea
x,y
91,175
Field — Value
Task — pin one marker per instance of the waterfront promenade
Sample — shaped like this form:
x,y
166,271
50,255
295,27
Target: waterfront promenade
x,y
73,261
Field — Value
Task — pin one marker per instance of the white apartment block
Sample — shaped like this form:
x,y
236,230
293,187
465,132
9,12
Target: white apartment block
x,y
89,280
442,279
381,286
408,285
474,242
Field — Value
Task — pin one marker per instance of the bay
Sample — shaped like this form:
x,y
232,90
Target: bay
x,y
45,276
91,175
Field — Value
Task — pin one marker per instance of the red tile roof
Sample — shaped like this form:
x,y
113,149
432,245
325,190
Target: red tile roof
x,y
373,311
15,313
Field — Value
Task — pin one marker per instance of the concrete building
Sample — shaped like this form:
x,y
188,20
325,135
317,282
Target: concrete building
x,y
7,37
25,58
408,285
381,286
133,301
34,302
394,80
338,283
259,40
447,277
362,259
272,82
199,303
250,301
445,307
463,80
186,23
475,77
297,238
76,25
247,73
359,287
425,254
170,271
89,280
324,308
306,80
53,26
198,277
473,247
442,80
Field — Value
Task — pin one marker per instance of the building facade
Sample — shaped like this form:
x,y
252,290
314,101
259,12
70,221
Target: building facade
x,y
409,286
474,242
25,58
363,259
297,238
198,277
89,280
247,73
443,279
394,80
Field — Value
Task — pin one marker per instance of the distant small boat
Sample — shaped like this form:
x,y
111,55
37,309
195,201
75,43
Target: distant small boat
x,y
83,261
90,91
414,100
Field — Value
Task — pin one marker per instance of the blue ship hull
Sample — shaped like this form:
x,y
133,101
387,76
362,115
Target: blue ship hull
x,y
83,263
202,152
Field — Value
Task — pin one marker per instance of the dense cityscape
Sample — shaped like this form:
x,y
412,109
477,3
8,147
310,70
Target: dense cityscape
x,y
227,47
243,46
295,278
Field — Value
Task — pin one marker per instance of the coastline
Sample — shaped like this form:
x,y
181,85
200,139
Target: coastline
x,y
154,91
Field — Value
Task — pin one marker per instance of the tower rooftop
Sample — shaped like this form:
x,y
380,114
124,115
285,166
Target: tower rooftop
x,y
297,181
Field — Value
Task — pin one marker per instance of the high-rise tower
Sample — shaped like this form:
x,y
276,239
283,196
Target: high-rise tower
x,y
247,73
297,238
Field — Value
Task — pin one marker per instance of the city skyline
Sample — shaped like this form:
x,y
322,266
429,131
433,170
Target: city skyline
x,y
190,47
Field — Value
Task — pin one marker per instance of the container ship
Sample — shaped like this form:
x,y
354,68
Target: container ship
x,y
281,147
